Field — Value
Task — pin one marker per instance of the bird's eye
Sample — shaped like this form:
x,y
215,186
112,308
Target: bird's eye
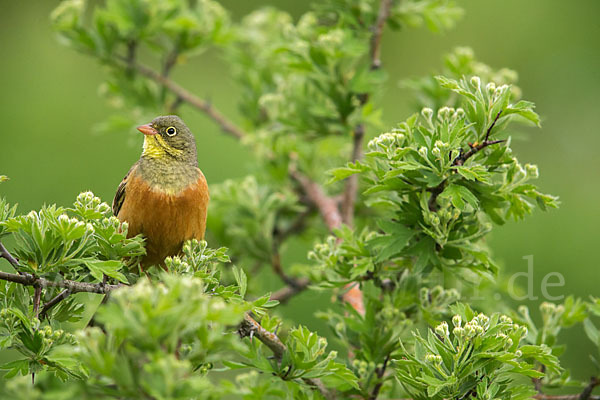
x,y
171,131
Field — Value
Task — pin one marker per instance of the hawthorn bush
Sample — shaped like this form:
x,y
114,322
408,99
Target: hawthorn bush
x,y
397,225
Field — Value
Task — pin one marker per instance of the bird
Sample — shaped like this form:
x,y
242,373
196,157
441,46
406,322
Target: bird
x,y
164,196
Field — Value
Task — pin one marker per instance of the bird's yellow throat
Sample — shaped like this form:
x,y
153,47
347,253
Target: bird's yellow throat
x,y
156,147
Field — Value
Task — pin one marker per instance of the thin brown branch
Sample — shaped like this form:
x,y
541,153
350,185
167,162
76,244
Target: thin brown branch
x,y
4,253
131,55
462,158
351,189
479,146
250,328
287,292
37,296
382,16
326,205
585,395
278,268
193,100
54,301
380,372
73,286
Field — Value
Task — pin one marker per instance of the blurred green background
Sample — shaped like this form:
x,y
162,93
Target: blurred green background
x,y
51,150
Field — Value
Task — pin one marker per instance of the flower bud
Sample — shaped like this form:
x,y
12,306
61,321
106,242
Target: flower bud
x,y
423,151
442,329
458,332
532,171
476,82
427,113
457,320
445,112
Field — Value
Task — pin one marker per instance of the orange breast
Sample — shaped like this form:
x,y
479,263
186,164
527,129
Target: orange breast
x,y
166,220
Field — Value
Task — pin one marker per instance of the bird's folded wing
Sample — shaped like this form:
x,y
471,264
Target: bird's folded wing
x,y
120,195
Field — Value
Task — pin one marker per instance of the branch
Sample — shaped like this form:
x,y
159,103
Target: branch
x,y
326,205
278,269
382,16
55,300
479,146
585,395
250,328
73,286
193,100
351,189
289,291
380,372
349,196
9,257
460,160
37,296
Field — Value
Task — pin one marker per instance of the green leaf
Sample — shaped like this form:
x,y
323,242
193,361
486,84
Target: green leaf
x,y
241,279
109,268
458,194
474,173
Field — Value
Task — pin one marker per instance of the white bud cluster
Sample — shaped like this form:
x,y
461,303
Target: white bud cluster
x,y
332,38
500,91
476,82
427,113
457,320
442,329
386,140
433,358
532,171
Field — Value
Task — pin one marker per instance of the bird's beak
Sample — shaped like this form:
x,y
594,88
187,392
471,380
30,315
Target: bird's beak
x,y
147,129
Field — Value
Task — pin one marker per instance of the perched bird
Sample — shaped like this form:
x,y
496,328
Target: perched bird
x,y
164,196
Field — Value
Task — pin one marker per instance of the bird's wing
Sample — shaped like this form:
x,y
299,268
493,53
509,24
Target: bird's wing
x,y
120,195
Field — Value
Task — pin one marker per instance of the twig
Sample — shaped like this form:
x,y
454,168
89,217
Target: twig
x,y
380,372
250,328
193,100
382,16
349,196
326,205
37,296
73,286
131,54
479,146
54,301
351,189
9,257
462,158
585,395
278,269
289,291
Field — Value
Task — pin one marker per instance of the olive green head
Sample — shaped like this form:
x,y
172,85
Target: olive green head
x,y
168,138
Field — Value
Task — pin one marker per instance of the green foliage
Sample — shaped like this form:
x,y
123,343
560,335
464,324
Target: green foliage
x,y
476,360
52,244
158,336
248,214
430,190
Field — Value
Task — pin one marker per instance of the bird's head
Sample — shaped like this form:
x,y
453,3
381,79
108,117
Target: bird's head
x,y
168,138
